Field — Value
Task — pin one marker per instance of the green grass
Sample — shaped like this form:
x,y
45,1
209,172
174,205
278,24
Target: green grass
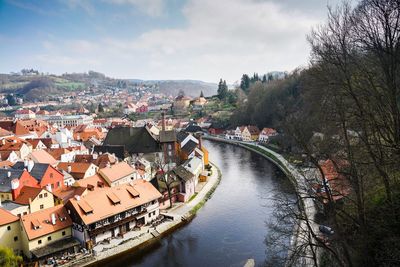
x,y
195,194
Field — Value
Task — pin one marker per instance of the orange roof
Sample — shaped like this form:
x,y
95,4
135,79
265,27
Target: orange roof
x,y
268,131
28,193
6,217
69,192
116,171
91,180
76,167
42,220
253,130
6,163
106,202
41,156
12,143
4,132
57,152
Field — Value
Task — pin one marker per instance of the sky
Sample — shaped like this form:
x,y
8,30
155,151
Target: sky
x,y
158,39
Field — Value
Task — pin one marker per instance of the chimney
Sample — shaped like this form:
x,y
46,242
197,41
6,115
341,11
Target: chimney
x,y
163,121
69,169
26,163
48,187
53,219
3,141
14,187
30,165
77,197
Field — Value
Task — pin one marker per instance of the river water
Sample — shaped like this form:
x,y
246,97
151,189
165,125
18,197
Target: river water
x,y
232,226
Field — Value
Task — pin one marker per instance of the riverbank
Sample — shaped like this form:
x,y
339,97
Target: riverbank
x,y
180,214
300,183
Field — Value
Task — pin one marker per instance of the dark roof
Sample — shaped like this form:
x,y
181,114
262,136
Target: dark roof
x,y
134,139
189,147
37,172
55,247
118,150
181,136
182,173
167,136
193,128
10,205
5,182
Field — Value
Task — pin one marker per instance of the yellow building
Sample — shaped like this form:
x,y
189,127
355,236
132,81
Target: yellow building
x,y
36,198
10,231
46,227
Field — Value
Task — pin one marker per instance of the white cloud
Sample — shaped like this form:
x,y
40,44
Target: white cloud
x,y
223,38
153,8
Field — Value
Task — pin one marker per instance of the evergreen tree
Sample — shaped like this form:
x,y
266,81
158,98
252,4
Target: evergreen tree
x,y
222,89
11,100
245,82
201,94
100,108
264,79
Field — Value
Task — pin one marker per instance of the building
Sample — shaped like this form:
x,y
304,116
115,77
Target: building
x,y
78,170
10,231
45,174
41,156
265,134
24,114
68,120
110,212
117,174
36,198
47,232
15,208
12,181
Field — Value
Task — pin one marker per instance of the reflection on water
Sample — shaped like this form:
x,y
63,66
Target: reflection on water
x,y
233,224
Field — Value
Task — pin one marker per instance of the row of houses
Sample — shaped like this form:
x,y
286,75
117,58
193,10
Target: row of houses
x,y
251,133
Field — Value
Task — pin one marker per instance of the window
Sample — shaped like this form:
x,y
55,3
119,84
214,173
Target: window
x,y
39,241
150,214
9,227
52,186
45,194
63,233
59,184
25,212
51,175
15,238
41,206
49,238
40,196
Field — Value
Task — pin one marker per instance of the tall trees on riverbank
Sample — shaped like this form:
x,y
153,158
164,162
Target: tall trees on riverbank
x,y
346,108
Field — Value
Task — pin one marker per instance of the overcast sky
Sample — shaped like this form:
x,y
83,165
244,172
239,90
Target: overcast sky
x,y
158,39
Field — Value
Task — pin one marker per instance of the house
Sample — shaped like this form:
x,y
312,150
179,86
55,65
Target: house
x,y
230,134
181,102
117,174
47,233
187,183
24,114
168,145
187,145
78,170
10,232
238,132
12,181
36,143
250,133
265,134
84,133
45,174
41,156
61,196
110,212
130,108
36,198
15,208
10,156
133,140
62,154
21,147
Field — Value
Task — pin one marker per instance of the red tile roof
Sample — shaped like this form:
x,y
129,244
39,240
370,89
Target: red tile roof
x,y
6,217
43,222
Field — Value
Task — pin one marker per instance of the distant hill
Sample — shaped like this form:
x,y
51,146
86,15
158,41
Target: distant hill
x,y
191,88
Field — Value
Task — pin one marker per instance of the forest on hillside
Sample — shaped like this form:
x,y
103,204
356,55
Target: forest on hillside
x,y
345,108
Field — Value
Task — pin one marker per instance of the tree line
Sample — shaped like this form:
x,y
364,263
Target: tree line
x,y
344,108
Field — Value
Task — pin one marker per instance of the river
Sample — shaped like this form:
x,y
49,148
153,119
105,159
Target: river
x,y
232,225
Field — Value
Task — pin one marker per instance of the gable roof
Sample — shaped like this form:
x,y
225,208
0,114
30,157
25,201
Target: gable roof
x,y
38,170
5,181
7,217
181,136
41,156
92,181
189,147
183,173
78,169
98,205
28,194
42,220
118,150
134,139
116,171
57,152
